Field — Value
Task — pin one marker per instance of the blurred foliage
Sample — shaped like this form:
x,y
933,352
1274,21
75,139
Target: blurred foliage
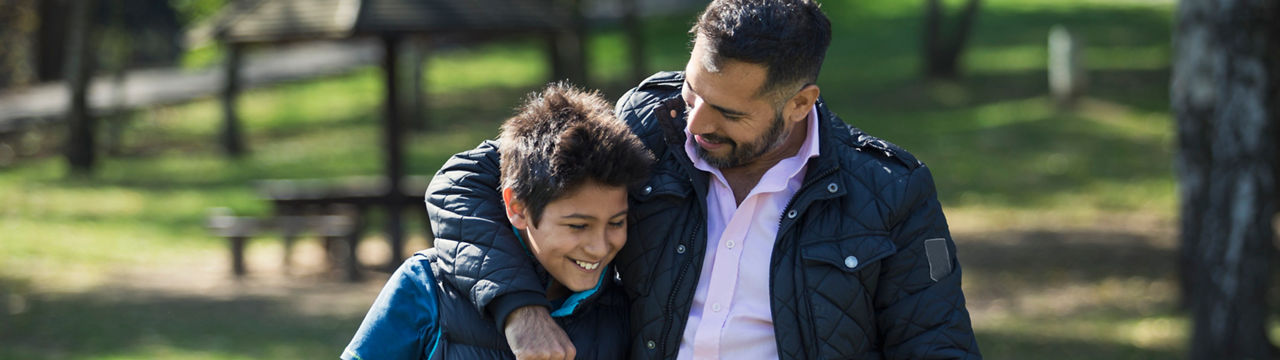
x,y
192,12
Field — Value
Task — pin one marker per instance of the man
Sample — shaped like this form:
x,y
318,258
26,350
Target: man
x,y
769,227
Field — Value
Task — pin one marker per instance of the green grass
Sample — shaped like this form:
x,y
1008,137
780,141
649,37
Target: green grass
x,y
1065,218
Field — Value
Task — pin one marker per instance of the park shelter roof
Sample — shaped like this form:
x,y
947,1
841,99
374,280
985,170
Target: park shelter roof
x,y
290,20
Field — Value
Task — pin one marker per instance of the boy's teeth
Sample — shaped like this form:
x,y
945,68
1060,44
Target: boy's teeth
x,y
587,265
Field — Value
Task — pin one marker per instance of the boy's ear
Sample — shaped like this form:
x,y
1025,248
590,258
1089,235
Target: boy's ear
x,y
515,209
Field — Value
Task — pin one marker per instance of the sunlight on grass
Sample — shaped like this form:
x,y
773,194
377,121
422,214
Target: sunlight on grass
x,y
1080,4
1084,336
606,49
1275,331
1009,58
504,64
1034,58
1166,332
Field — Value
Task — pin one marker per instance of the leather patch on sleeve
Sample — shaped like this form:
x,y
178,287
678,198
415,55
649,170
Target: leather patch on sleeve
x,y
939,258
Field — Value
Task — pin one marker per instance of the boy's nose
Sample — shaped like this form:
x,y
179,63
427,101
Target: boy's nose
x,y
598,246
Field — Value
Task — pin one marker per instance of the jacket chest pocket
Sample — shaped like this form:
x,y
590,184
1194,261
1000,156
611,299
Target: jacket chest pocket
x,y
840,277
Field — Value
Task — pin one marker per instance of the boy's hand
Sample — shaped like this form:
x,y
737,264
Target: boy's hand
x,y
532,335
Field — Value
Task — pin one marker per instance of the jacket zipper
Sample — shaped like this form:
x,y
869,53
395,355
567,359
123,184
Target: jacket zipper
x,y
671,299
807,183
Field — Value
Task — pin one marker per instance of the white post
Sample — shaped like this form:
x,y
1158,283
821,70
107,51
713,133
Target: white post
x,y
1067,80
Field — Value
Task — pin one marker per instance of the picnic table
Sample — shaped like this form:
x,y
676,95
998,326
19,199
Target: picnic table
x,y
354,197
335,209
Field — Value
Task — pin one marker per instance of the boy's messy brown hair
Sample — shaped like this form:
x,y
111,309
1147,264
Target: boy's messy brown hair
x,y
562,137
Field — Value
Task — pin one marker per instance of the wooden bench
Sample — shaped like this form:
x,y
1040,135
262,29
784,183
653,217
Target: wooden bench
x,y
358,195
335,229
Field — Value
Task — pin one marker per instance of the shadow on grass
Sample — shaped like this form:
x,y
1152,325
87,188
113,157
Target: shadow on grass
x,y
1032,346
1031,261
97,323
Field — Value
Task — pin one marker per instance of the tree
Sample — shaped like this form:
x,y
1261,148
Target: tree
x,y
942,48
1226,83
81,125
18,23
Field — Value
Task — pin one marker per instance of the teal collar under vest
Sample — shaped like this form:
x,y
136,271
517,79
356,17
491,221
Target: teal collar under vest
x,y
571,303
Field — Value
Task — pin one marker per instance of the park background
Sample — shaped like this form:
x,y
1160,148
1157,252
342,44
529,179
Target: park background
x,y
1065,218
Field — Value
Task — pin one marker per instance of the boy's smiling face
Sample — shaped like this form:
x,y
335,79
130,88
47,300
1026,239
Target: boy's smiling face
x,y
579,233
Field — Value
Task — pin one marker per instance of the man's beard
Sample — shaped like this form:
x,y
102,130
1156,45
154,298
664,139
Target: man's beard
x,y
743,154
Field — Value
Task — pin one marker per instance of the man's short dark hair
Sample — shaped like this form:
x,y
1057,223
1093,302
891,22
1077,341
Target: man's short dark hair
x,y
562,137
789,37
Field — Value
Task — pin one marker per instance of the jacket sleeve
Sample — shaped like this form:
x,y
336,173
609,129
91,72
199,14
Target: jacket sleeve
x,y
919,304
403,319
478,252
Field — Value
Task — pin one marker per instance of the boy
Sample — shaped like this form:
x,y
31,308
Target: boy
x,y
566,163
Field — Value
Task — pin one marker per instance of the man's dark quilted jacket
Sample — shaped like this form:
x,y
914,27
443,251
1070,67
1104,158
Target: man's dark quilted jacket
x,y
850,274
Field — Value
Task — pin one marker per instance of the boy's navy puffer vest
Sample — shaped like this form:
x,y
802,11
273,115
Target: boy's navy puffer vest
x,y
598,325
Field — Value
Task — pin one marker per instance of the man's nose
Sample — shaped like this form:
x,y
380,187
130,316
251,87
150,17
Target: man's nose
x,y
699,122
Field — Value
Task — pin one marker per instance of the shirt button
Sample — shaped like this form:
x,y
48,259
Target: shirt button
x,y
832,187
851,262
729,244
650,344
792,214
680,249
647,190
715,307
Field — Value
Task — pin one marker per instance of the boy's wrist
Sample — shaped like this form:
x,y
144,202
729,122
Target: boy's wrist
x,y
502,306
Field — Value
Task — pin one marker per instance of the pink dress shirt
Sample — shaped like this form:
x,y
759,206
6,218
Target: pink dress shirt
x,y
731,317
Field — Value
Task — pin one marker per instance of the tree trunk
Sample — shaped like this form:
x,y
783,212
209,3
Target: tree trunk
x,y
392,142
570,47
81,125
413,60
943,48
1225,80
635,40
51,40
232,135
17,29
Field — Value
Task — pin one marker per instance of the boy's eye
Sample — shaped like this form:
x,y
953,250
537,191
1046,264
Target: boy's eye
x,y
577,226
618,223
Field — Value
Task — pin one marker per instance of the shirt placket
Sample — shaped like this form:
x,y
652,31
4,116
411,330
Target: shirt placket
x,y
724,274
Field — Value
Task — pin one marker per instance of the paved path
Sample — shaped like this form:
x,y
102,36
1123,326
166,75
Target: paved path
x,y
153,87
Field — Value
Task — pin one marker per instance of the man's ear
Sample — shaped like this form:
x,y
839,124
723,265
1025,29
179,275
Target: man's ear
x,y
797,108
515,209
